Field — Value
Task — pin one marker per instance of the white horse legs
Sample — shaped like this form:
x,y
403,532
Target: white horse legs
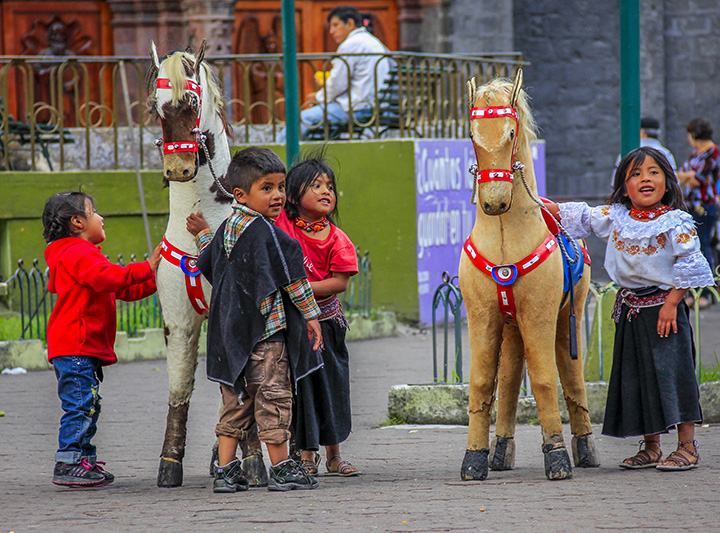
x,y
182,350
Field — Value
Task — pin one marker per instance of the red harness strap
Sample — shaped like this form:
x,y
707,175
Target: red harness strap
x,y
505,275
183,146
188,264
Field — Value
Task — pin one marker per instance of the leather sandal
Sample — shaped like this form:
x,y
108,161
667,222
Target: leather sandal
x,y
677,460
311,465
644,458
344,468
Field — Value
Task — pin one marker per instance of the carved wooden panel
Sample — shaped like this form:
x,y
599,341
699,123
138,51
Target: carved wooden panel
x,y
54,28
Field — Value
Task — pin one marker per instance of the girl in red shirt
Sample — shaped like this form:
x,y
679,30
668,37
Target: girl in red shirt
x,y
323,398
82,325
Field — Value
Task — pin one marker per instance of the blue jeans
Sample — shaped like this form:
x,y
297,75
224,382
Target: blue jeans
x,y
312,118
78,389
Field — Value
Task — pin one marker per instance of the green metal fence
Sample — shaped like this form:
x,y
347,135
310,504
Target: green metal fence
x,y
597,330
71,111
26,291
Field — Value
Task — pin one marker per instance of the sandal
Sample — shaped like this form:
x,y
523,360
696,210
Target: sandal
x,y
678,460
311,465
643,458
344,468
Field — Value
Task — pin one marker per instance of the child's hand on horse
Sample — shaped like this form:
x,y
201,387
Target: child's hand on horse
x,y
313,327
195,223
154,259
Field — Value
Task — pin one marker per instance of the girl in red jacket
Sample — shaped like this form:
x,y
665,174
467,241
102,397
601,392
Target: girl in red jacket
x,y
81,329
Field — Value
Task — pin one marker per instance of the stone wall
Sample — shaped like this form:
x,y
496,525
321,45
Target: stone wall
x,y
573,48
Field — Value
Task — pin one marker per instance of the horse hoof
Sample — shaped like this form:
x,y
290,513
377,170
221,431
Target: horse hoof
x,y
255,471
475,465
502,453
170,473
585,452
557,462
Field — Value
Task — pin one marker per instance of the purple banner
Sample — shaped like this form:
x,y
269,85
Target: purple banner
x,y
445,214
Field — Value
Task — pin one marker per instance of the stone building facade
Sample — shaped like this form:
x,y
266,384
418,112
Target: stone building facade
x,y
573,48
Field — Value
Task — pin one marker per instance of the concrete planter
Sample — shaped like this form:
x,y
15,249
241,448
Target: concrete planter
x,y
448,404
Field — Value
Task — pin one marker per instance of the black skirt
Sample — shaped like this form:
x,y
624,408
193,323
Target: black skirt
x,y
652,383
322,407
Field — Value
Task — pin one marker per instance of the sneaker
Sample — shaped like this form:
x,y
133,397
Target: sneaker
x,y
109,478
82,474
289,475
230,478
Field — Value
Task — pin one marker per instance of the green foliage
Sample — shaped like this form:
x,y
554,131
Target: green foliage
x,y
533,421
393,421
711,373
10,327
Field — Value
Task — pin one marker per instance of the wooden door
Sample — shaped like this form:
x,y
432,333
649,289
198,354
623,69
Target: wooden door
x,y
259,88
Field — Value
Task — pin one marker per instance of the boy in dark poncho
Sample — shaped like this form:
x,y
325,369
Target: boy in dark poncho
x,y
261,307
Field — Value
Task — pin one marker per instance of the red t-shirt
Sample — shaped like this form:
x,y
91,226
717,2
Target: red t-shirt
x,y
336,253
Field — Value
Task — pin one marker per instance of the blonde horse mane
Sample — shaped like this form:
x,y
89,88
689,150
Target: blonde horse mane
x,y
501,89
177,65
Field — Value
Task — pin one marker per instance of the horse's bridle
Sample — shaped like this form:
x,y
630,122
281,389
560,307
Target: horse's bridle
x,y
183,146
506,111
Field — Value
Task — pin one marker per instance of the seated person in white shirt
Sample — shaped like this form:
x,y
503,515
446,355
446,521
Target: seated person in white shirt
x,y
343,88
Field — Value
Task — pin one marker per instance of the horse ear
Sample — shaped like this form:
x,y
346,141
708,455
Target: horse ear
x,y
154,54
471,87
517,86
200,55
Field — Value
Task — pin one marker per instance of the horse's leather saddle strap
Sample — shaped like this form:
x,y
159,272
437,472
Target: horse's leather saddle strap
x,y
188,264
505,275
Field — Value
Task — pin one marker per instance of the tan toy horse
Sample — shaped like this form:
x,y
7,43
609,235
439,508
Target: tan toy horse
x,y
511,277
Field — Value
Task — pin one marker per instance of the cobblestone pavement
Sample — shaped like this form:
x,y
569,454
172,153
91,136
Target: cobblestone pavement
x,y
410,482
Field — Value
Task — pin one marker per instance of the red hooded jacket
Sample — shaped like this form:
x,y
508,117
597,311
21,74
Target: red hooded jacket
x,y
84,321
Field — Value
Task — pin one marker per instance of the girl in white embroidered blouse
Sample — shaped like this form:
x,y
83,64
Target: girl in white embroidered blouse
x,y
653,254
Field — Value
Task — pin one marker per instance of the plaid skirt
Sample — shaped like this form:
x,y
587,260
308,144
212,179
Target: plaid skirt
x,y
652,383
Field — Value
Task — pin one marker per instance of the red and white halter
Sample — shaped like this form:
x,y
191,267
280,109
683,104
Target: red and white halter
x,y
186,262
505,111
183,146
505,275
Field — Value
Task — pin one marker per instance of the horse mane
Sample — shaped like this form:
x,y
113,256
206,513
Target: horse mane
x,y
501,88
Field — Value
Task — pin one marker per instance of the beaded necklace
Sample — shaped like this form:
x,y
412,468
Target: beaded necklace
x,y
313,227
649,215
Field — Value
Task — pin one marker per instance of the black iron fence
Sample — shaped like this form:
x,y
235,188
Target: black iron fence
x,y
26,292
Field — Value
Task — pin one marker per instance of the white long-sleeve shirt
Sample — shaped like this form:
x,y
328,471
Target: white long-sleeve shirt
x,y
362,72
664,252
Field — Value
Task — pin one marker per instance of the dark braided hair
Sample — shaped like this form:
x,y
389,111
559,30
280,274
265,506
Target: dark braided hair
x,y
306,169
632,161
58,212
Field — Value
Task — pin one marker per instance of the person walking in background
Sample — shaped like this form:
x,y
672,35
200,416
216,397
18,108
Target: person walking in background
x,y
699,175
649,136
82,326
352,79
653,254
323,399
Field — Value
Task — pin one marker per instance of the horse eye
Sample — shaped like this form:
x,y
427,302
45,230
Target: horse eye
x,y
194,101
512,134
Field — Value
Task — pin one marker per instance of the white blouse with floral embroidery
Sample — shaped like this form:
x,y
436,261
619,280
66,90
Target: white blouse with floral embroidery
x,y
664,252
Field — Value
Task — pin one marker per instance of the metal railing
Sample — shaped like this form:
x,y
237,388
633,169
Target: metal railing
x,y
357,298
72,108
27,289
597,338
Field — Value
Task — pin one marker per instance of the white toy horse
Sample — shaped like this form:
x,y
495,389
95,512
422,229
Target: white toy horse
x,y
185,96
